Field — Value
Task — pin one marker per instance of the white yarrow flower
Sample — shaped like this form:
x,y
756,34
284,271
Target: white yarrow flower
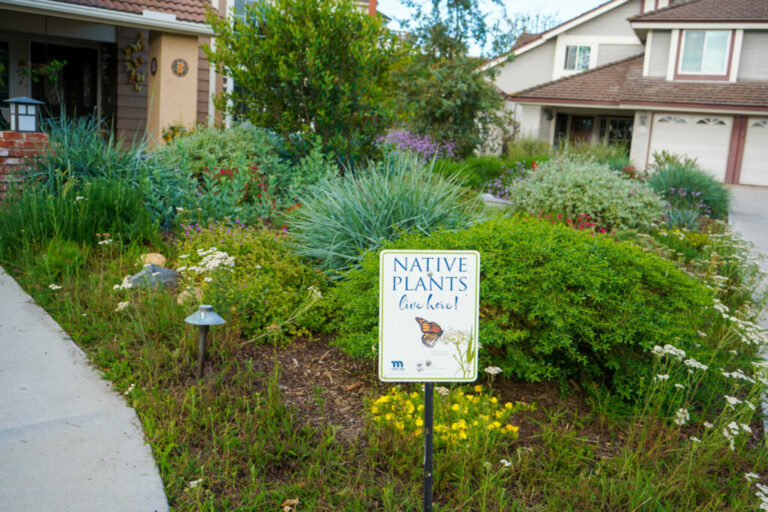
x,y
442,391
662,376
505,463
194,483
54,287
751,476
493,370
682,417
732,400
122,305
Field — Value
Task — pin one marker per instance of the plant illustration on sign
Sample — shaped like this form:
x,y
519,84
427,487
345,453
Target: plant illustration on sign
x,y
431,332
464,358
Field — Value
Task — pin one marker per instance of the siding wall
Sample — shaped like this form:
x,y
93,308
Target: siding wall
x,y
203,78
531,68
612,52
754,62
612,23
131,104
657,66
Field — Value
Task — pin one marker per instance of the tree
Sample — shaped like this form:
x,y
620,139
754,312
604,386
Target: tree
x,y
320,68
443,92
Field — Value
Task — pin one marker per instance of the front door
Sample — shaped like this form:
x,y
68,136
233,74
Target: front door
x,y
66,78
581,129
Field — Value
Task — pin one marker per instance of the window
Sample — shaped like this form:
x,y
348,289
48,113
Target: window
x,y
705,52
710,121
577,58
672,120
761,124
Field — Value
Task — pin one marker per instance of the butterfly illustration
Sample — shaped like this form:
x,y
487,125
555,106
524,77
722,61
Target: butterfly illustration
x,y
432,332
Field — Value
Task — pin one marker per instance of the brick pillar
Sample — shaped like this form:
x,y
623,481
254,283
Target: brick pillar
x,y
15,149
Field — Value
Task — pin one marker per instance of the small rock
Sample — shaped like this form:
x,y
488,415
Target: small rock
x,y
153,276
153,258
494,202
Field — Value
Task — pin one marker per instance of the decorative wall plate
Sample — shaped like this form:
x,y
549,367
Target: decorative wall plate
x,y
179,67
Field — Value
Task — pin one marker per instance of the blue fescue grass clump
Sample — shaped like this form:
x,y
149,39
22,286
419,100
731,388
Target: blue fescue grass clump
x,y
687,188
341,218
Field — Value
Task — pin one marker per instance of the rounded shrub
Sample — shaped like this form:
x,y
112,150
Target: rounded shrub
x,y
571,187
555,302
341,218
251,275
687,188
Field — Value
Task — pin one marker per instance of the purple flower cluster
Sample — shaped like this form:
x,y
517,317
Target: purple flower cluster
x,y
510,176
680,197
423,146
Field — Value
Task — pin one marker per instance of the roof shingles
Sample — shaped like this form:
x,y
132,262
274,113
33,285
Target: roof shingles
x,y
185,10
622,83
743,11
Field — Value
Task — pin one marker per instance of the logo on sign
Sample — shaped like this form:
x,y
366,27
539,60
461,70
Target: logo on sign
x,y
397,365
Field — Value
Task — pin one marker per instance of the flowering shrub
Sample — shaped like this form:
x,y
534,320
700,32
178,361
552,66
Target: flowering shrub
x,y
689,189
463,417
570,187
555,302
510,176
250,275
423,146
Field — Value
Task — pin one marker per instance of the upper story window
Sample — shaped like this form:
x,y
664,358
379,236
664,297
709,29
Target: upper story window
x,y
577,58
705,52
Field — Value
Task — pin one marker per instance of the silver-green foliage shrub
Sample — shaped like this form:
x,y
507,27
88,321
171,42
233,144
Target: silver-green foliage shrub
x,y
570,187
555,303
341,218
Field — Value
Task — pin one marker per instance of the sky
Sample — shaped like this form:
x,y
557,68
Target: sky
x,y
563,9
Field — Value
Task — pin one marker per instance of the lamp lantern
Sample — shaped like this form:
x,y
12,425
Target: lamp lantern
x,y
204,317
24,114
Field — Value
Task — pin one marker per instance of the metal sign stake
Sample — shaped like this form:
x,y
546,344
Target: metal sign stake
x,y
429,389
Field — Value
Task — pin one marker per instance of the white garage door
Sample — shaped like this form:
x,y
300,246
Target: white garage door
x,y
754,164
704,137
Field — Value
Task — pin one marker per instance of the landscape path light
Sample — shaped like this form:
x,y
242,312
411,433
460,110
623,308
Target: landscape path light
x,y
24,114
204,317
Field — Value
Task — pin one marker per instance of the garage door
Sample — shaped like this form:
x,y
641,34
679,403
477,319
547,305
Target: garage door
x,y
754,163
704,137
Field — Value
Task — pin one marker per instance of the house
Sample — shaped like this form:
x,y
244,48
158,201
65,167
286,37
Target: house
x,y
693,81
137,63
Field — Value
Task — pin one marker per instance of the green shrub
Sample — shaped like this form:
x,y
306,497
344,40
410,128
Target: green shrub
x,y
554,302
60,258
614,156
690,188
340,218
526,149
266,289
570,187
662,159
479,172
79,153
32,216
243,172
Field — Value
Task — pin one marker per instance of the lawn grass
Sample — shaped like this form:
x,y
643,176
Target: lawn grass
x,y
269,423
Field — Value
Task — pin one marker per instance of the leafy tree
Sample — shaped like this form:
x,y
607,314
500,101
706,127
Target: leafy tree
x,y
443,92
318,68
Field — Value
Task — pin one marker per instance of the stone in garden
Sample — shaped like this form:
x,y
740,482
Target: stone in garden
x,y
153,276
153,258
494,202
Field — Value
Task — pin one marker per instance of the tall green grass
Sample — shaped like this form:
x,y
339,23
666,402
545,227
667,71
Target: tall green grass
x,y
691,189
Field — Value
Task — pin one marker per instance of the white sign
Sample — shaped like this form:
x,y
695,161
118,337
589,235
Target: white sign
x,y
428,315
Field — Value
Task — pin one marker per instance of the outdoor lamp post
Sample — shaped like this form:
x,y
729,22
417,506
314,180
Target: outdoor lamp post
x,y
24,112
203,318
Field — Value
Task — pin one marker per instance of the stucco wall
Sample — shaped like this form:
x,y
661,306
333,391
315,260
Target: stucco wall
x,y
612,23
607,53
531,68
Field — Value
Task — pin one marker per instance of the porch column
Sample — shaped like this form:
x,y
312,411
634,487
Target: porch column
x,y
172,83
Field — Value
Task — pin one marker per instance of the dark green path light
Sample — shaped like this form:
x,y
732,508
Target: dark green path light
x,y
203,318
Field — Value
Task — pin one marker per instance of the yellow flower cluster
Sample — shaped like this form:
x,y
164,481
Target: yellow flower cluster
x,y
462,416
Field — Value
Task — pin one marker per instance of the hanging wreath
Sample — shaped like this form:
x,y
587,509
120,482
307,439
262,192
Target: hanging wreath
x,y
133,60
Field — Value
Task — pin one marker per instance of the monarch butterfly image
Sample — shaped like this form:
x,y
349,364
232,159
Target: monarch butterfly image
x,y
431,332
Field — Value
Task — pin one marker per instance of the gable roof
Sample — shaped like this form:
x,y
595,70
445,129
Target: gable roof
x,y
621,84
185,10
741,11
531,41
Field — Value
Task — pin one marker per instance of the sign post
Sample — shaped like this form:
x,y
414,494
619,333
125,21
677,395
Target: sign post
x,y
428,326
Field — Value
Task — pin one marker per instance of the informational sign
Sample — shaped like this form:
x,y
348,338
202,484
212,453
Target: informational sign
x,y
428,315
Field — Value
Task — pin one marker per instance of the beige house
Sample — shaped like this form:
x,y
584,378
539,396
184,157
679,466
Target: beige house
x,y
137,63
687,77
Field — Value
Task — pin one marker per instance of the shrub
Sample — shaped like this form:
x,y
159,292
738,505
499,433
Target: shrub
x,y
264,287
570,187
554,303
481,172
79,153
612,155
243,172
32,216
664,159
340,218
523,149
689,188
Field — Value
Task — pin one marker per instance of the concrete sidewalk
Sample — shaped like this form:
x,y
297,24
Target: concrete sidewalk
x,y
68,442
